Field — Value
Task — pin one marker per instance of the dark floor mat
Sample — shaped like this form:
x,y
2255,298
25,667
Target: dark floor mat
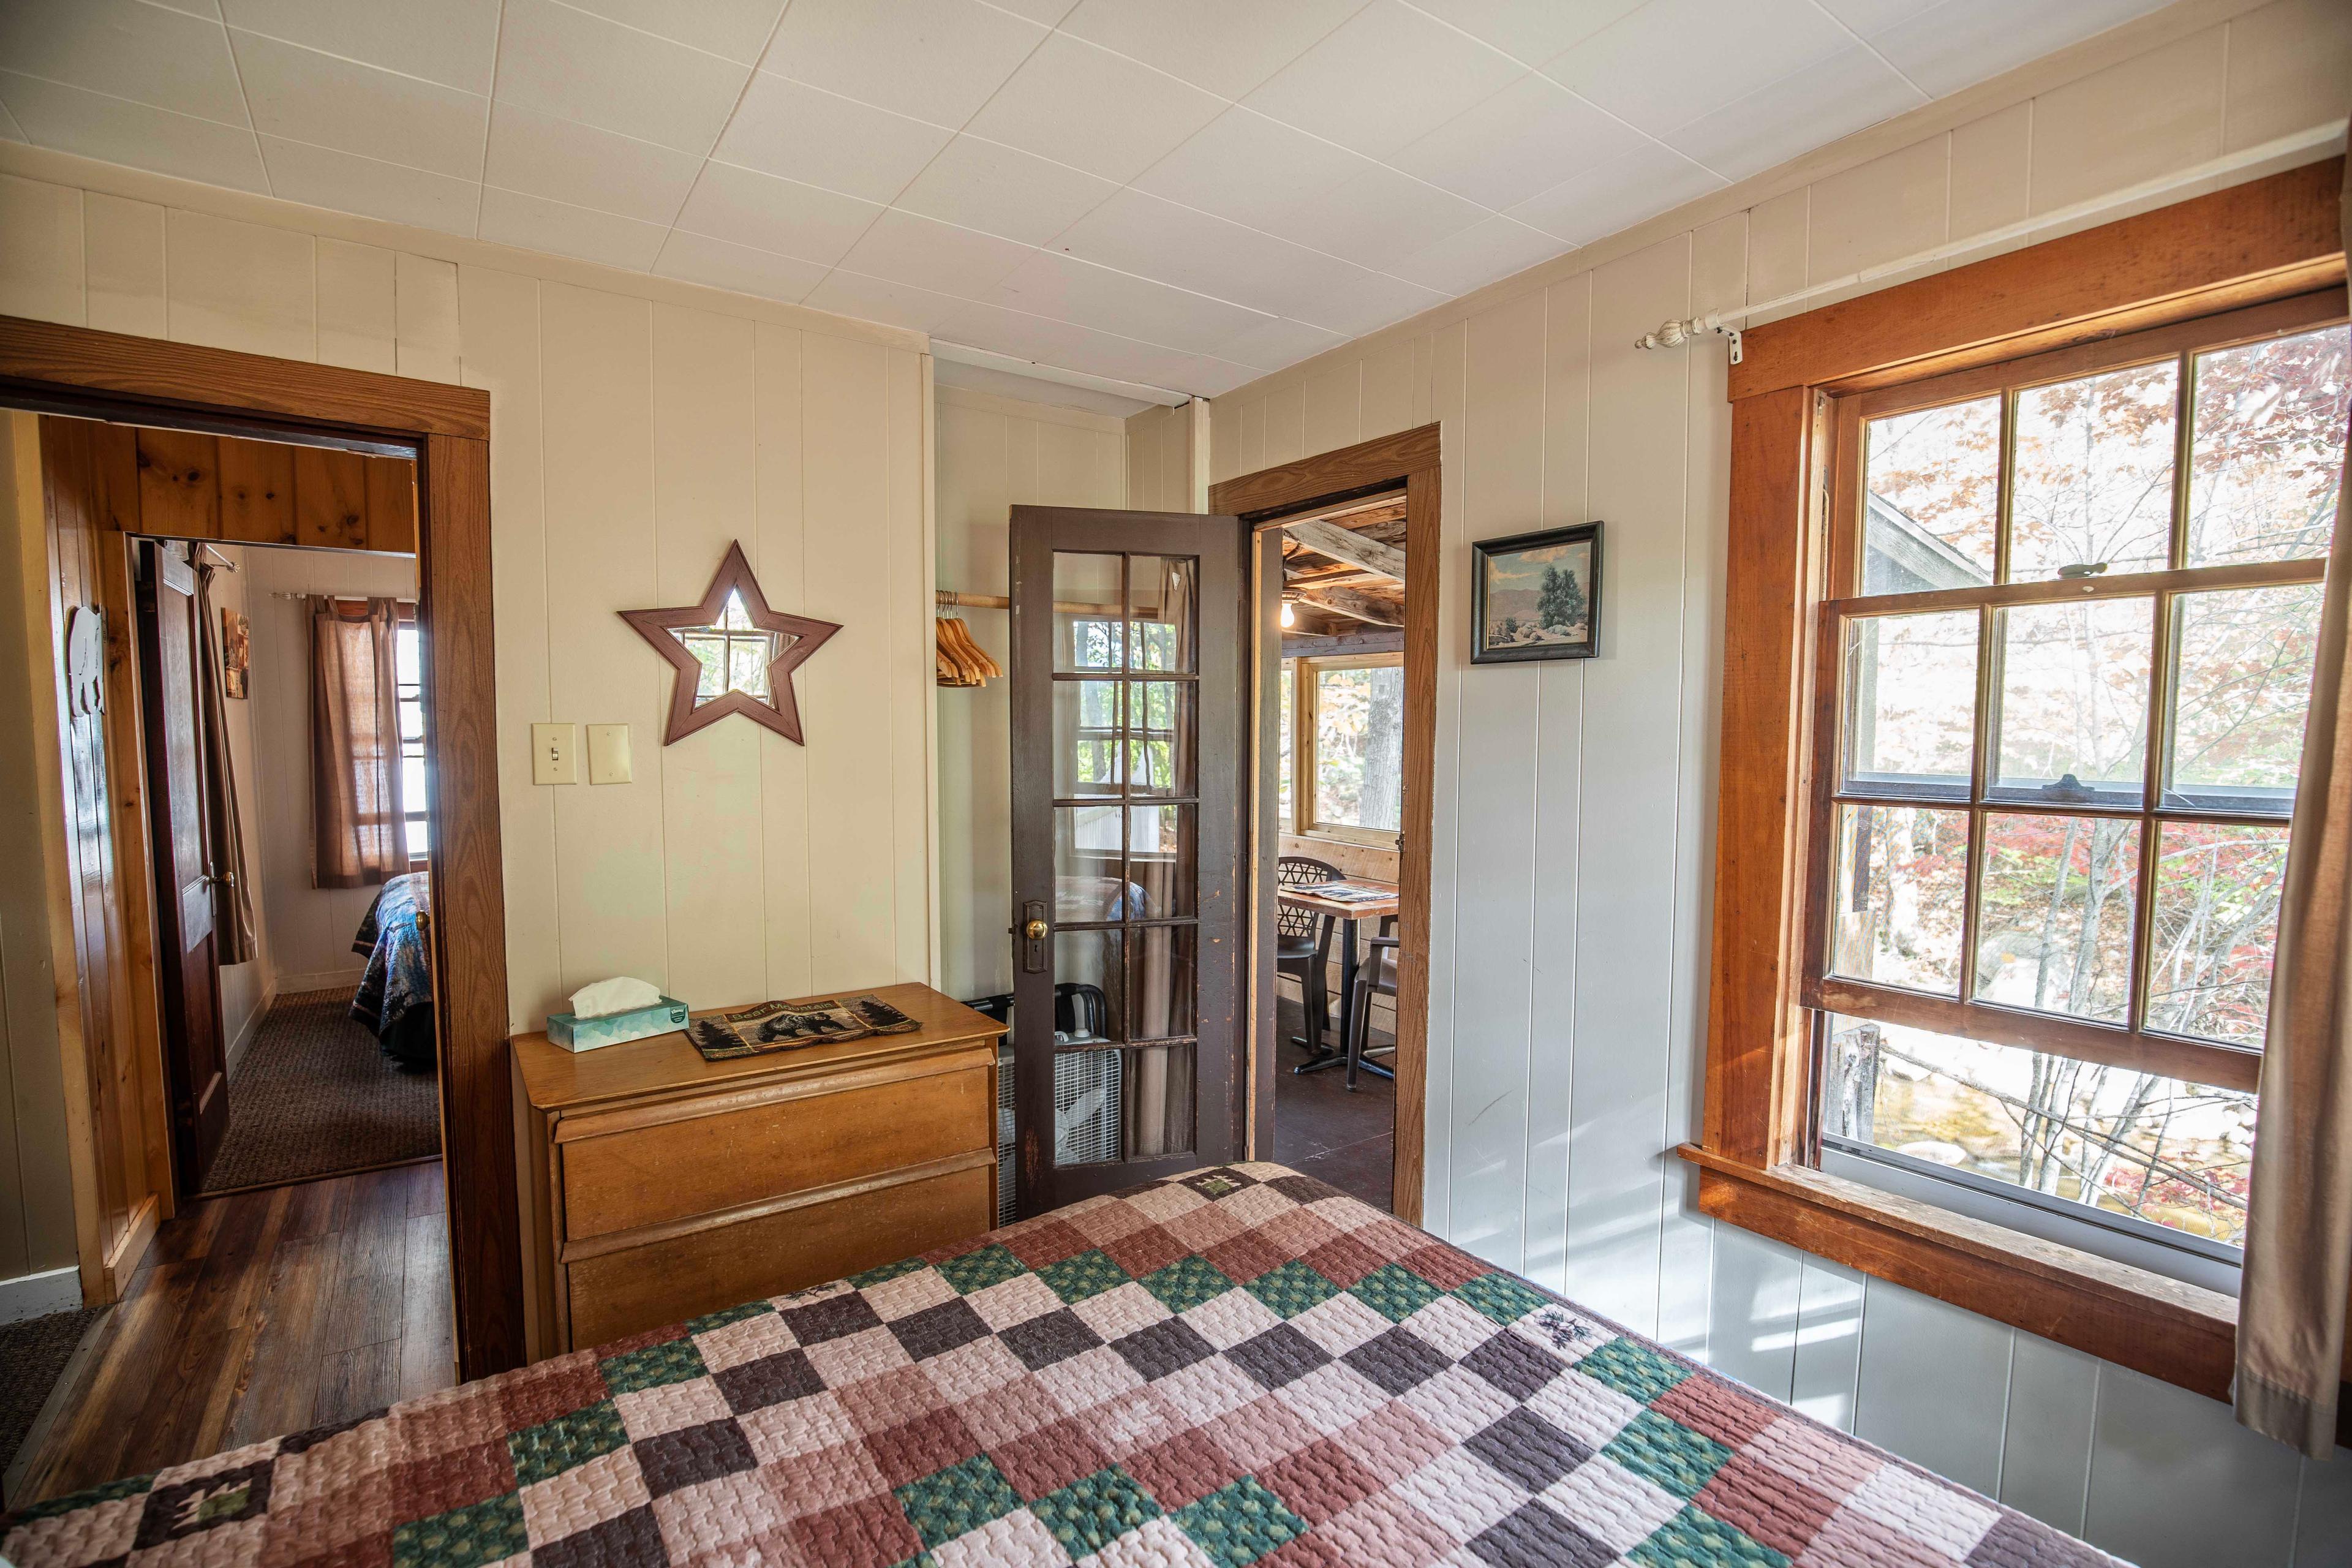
x,y
313,1095
32,1355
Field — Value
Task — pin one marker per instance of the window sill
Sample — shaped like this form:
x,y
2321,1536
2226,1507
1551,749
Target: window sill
x,y
2163,1327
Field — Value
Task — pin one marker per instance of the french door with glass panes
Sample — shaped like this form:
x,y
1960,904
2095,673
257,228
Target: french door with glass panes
x,y
1130,750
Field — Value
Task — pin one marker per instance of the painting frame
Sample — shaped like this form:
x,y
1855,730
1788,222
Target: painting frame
x,y
1486,555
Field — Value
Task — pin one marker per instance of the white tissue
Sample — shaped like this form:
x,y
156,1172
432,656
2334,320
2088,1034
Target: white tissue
x,y
609,996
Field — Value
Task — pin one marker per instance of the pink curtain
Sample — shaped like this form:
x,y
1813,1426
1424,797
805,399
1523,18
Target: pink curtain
x,y
359,821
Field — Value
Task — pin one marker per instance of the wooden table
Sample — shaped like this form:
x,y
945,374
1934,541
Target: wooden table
x,y
1349,913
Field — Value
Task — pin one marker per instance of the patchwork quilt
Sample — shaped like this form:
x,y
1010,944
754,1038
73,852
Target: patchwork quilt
x,y
1240,1366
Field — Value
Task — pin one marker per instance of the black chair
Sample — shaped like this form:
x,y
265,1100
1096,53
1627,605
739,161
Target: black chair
x,y
1376,976
1303,946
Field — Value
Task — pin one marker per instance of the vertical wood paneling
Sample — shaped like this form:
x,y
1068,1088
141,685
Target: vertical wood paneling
x,y
425,317
123,246
595,354
908,570
2045,1452
1934,1383
1753,1307
1442,398
357,310
784,577
1387,400
1286,424
1334,408
975,725
1552,991
235,285
2176,1483
41,254
705,481
1828,1356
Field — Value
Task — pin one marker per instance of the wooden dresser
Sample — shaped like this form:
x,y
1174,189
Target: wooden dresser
x,y
655,1186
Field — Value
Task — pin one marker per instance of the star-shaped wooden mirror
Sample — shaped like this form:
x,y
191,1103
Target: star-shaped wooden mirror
x,y
732,653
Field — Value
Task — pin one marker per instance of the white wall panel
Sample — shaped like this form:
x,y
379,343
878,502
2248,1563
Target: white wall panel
x,y
1934,1383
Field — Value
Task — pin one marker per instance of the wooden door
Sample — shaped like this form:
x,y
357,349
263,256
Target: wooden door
x,y
1129,762
171,663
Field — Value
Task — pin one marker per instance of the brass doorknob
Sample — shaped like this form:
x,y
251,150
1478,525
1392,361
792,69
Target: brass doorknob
x,y
1035,930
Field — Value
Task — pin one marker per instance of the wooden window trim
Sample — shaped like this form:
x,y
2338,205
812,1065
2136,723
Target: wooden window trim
x,y
2266,240
1303,701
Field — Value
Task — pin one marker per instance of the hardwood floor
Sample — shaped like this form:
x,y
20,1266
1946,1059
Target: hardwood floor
x,y
260,1313
1322,1130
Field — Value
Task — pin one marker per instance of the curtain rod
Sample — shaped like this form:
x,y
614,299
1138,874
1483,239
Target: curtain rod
x,y
950,599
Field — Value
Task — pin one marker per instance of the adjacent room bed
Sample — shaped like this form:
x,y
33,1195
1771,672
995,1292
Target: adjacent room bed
x,y
1236,1366
394,999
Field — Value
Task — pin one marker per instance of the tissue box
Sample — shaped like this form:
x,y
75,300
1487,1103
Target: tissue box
x,y
613,1028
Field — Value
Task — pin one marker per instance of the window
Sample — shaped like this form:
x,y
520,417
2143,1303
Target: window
x,y
1343,747
409,676
2073,608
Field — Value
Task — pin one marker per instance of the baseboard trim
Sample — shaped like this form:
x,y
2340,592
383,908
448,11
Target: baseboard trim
x,y
39,1295
318,980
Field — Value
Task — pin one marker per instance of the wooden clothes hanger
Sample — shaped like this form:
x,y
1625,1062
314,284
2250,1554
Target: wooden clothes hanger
x,y
962,662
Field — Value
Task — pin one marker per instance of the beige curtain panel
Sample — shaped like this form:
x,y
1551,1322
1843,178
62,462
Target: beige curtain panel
x,y
359,822
233,926
2291,1304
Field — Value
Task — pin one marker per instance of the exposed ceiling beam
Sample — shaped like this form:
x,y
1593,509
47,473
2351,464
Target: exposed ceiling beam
x,y
1355,605
1345,545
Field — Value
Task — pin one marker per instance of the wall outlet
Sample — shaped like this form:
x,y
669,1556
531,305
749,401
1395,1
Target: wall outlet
x,y
554,753
608,754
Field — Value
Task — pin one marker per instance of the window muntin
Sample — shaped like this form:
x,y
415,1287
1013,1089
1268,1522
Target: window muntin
x,y
2072,639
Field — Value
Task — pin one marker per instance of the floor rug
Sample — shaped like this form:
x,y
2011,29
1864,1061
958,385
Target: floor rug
x,y
32,1354
313,1095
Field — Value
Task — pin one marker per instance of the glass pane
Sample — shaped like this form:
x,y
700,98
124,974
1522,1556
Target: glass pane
x,y
1159,1101
408,665
2094,477
1088,1106
2241,663
1090,987
420,837
412,781
1087,885
412,720
747,660
1910,702
2072,723
1900,896
1165,617
1282,774
1086,753
2268,433
2217,900
2056,912
1933,508
1162,868
2169,1152
711,652
1360,747
1160,732
1089,637
1163,989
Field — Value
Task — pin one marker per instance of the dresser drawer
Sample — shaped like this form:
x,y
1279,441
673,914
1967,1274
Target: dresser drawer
x,y
647,1172
644,1287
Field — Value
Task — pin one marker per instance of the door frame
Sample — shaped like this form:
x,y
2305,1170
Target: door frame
x,y
83,373
1409,459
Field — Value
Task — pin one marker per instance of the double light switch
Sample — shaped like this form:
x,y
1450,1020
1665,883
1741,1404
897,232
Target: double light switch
x,y
555,753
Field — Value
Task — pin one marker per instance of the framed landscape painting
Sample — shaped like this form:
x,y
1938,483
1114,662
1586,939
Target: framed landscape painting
x,y
1536,596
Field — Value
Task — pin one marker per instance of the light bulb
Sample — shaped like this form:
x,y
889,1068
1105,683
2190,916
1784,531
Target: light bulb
x,y
1290,617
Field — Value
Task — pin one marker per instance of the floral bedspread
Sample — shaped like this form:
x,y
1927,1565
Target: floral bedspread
x,y
1238,1367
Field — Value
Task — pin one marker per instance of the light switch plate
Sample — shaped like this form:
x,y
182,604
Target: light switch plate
x,y
554,753
608,754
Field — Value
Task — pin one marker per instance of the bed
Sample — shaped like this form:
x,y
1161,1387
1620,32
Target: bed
x,y
1240,1365
394,999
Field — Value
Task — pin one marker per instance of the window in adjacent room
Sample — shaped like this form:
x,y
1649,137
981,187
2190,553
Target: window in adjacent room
x,y
409,677
1343,747
2071,661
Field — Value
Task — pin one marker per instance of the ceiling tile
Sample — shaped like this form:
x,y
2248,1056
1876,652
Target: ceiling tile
x,y
1616,195
1225,46
881,300
1042,339
1073,290
149,54
540,155
1094,110
117,131
1868,17
1800,112
734,29
1250,168
1154,238
1373,300
1047,13
9,128
1206,375
986,185
1378,217
1383,78
511,218
1274,342
301,95
1674,61
699,258
802,133
1478,255
453,42
1960,42
768,213
1526,138
582,67
902,248
933,59
208,9
1533,30
346,181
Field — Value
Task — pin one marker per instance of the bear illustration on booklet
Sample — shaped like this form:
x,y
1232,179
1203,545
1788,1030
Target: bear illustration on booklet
x,y
782,1025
